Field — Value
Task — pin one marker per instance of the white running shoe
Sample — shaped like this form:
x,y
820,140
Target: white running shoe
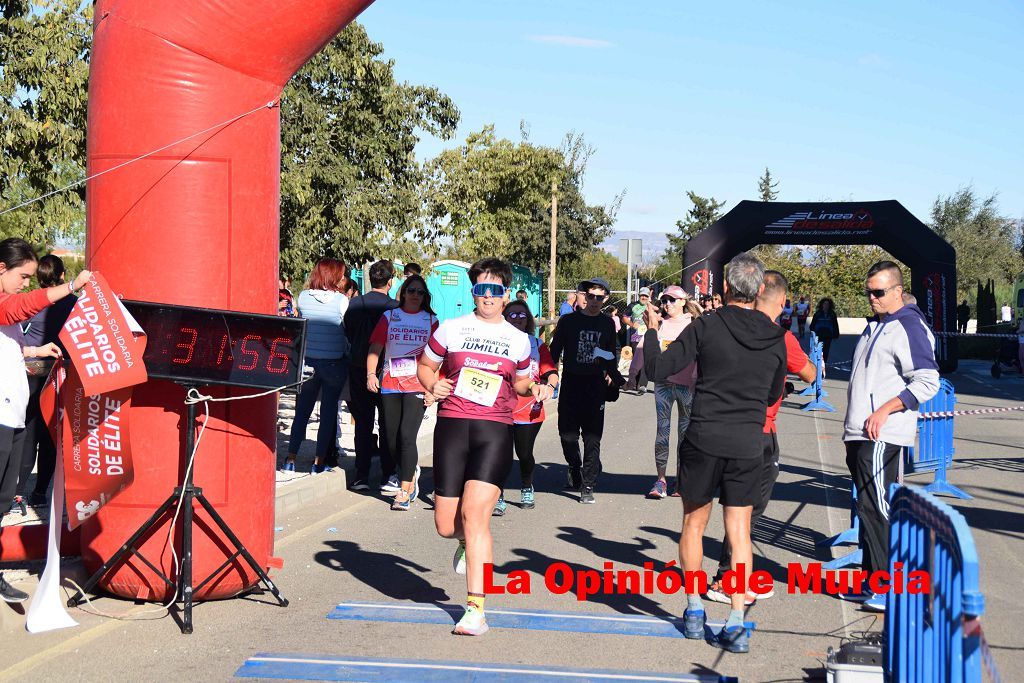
x,y
459,559
472,623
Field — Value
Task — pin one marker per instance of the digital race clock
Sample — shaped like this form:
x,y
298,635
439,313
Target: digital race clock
x,y
207,346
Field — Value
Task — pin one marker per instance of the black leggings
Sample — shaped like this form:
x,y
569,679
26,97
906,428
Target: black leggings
x,y
467,449
524,436
11,445
37,434
402,415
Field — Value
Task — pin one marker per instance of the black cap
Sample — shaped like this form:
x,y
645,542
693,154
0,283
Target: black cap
x,y
594,282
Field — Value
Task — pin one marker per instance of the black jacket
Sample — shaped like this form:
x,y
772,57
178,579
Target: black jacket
x,y
741,361
362,316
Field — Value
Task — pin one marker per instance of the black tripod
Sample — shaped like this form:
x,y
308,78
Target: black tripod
x,y
187,493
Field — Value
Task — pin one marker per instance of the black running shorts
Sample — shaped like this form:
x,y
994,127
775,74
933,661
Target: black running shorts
x,y
701,475
467,449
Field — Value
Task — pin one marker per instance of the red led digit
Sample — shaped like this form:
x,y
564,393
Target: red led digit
x,y
249,352
223,346
274,354
189,345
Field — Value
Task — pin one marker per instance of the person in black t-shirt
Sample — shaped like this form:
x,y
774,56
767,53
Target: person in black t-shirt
x,y
361,317
585,342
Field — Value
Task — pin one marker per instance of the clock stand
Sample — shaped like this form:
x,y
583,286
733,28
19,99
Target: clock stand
x,y
197,347
187,493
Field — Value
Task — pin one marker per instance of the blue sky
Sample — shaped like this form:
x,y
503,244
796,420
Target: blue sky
x,y
852,101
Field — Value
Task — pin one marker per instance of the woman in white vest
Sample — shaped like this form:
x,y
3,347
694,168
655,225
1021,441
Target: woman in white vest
x,y
323,304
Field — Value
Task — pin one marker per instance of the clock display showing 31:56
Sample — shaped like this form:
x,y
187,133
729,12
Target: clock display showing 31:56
x,y
205,346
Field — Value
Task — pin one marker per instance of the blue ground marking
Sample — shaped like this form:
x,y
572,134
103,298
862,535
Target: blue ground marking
x,y
534,620
341,668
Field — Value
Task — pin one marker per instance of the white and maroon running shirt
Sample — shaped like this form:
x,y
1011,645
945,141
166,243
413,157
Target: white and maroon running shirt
x,y
482,360
403,336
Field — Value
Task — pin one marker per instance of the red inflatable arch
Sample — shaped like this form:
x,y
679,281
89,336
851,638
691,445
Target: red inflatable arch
x,y
195,223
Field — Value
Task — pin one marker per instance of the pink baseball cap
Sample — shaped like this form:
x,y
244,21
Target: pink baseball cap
x,y
675,291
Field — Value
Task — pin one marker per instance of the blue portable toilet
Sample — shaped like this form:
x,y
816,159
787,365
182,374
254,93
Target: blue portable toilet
x,y
393,292
356,275
450,291
524,278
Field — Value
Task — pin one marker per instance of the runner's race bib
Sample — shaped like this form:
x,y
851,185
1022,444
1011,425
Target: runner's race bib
x,y
478,386
402,367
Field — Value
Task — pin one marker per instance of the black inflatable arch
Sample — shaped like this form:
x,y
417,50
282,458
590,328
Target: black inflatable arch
x,y
888,224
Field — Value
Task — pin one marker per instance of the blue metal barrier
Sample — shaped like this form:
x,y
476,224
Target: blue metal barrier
x,y
851,535
935,442
933,636
811,356
817,357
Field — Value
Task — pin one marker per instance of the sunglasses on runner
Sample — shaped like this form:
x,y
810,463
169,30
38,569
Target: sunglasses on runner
x,y
668,300
591,296
489,289
521,315
417,292
879,293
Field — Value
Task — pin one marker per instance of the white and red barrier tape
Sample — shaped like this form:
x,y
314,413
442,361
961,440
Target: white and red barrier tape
x,y
992,335
957,413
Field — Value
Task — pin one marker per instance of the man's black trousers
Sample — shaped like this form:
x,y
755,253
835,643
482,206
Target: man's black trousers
x,y
363,405
874,466
581,413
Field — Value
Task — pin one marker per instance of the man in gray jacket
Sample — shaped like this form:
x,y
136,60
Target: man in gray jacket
x,y
894,371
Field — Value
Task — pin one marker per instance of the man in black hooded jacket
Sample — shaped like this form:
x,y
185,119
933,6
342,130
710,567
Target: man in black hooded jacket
x,y
741,361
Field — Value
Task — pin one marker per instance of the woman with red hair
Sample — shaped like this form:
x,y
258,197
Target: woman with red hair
x,y
323,303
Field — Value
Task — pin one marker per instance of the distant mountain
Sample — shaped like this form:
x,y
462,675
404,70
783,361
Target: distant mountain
x,y
654,243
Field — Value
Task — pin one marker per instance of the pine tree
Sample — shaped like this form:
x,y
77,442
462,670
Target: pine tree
x,y
705,211
766,186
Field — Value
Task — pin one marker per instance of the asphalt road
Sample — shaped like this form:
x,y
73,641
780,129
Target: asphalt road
x,y
354,549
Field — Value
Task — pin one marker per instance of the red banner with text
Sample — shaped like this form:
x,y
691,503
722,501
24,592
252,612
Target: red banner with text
x,y
100,342
87,399
97,453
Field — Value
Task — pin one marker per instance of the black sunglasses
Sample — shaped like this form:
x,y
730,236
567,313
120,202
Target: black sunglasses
x,y
420,292
593,297
879,293
668,300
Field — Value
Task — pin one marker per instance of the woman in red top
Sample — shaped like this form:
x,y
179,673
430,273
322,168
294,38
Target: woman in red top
x,y
401,334
528,415
18,263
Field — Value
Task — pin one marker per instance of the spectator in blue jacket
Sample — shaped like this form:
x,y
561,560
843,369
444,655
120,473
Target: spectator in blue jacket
x,y
323,304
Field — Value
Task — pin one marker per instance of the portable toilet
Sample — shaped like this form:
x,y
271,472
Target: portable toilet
x,y
356,275
450,290
524,278
397,283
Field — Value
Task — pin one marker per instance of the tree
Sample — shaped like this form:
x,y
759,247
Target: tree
x,y
350,183
987,244
705,211
492,196
766,186
44,53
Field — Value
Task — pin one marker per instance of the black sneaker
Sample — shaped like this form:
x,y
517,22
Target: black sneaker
x,y
575,480
36,500
359,485
587,496
9,593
